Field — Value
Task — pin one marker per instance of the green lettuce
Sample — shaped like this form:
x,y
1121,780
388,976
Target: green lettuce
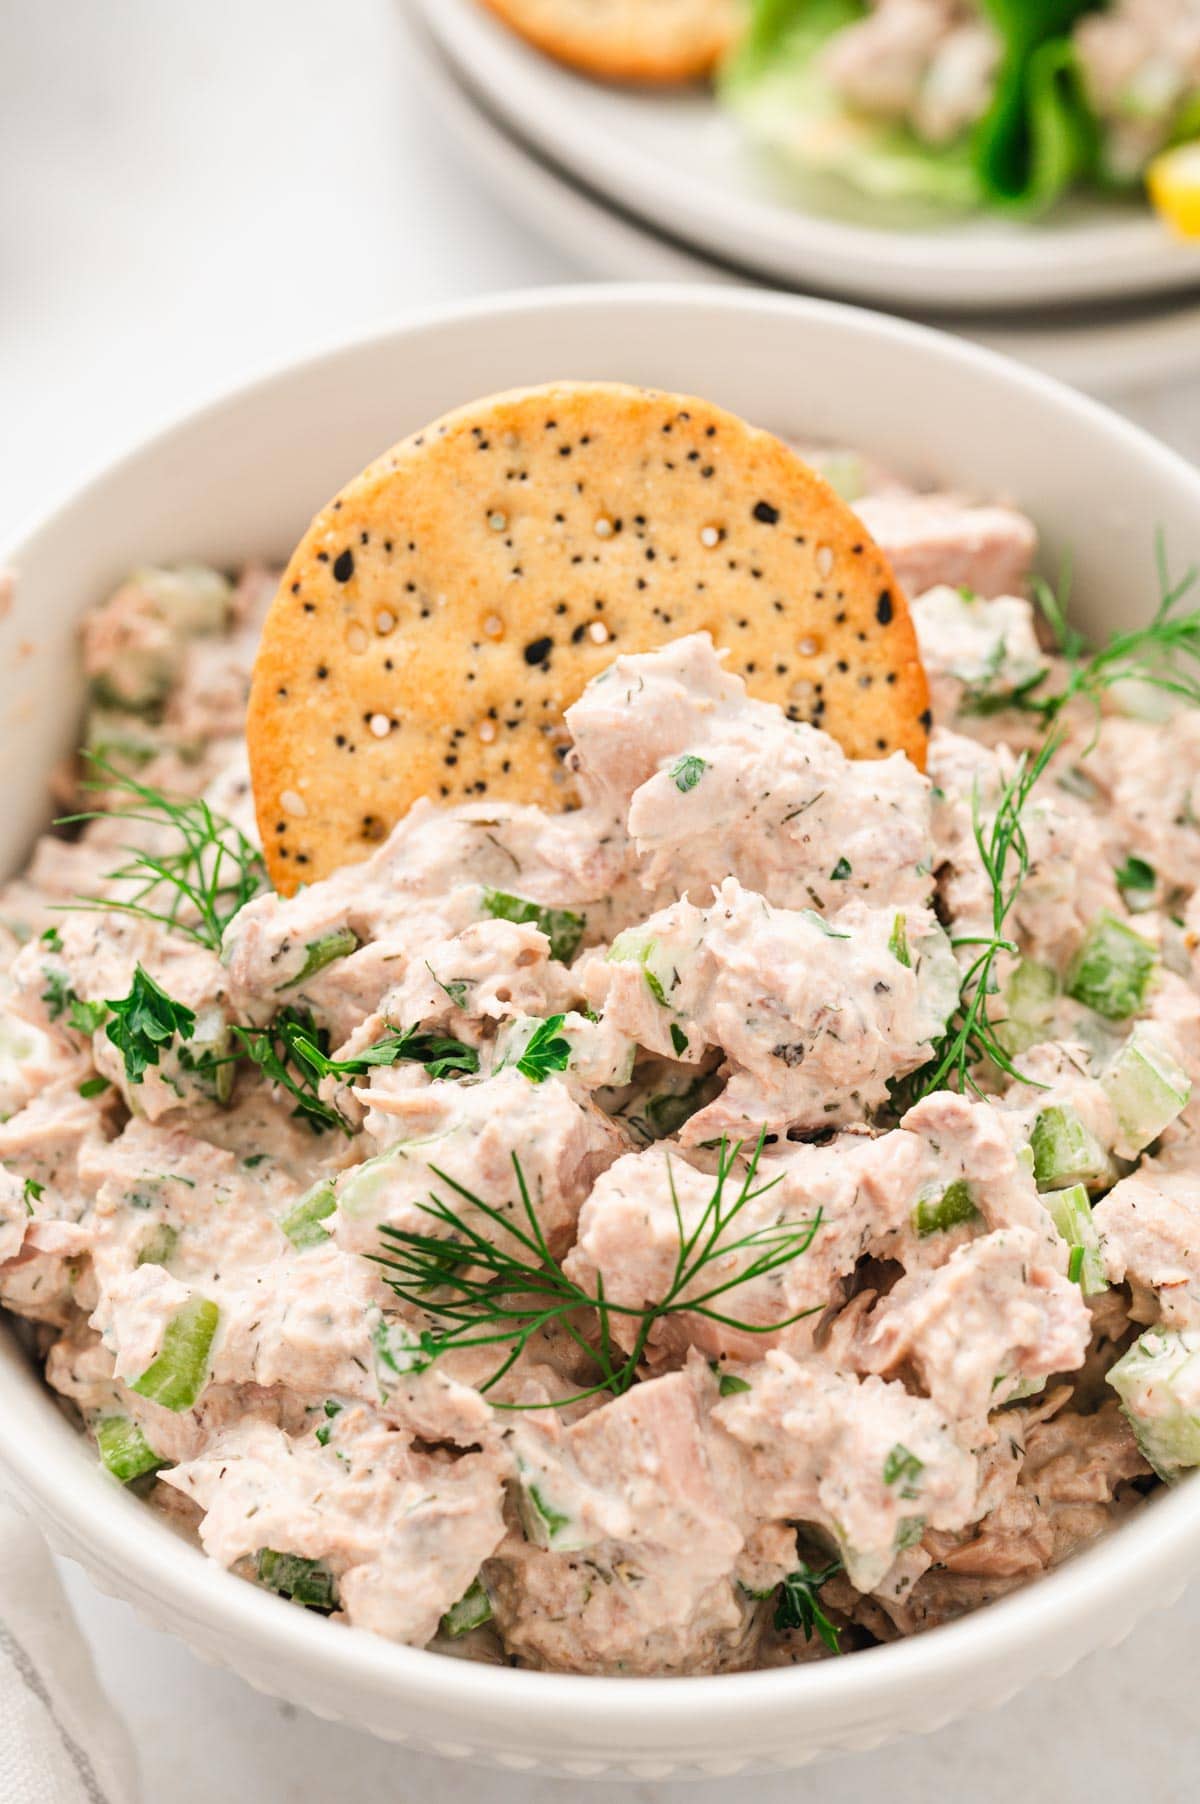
x,y
1037,138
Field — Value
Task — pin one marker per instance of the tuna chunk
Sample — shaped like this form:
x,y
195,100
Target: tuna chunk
x,y
716,784
934,539
472,1131
1150,1231
996,1318
630,1544
404,1533
860,1458
814,1017
853,1195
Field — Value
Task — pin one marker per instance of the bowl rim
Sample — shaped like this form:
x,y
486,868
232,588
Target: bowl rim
x,y
124,1537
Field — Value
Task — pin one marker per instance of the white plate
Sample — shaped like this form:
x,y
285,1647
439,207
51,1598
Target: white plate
x,y
242,477
676,161
1108,355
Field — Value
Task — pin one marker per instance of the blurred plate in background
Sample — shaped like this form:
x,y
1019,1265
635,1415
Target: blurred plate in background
x,y
674,160
1108,352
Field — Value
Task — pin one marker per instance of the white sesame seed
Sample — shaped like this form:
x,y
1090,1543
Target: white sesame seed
x,y
497,521
356,637
598,632
604,527
291,803
384,621
493,626
487,731
710,536
380,725
825,560
808,647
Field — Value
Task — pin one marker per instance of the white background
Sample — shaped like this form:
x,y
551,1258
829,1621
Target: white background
x,y
191,190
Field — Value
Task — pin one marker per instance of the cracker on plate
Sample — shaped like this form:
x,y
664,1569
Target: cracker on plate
x,y
442,611
656,41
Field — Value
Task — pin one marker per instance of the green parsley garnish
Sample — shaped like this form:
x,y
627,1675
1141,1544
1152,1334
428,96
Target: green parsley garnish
x,y
32,1192
145,1022
841,870
800,1607
687,771
545,1051
561,926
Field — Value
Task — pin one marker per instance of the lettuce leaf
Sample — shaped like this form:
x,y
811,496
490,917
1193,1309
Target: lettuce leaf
x,y
775,86
1037,138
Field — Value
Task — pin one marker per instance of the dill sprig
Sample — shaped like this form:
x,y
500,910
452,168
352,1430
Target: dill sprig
x,y
476,1292
196,886
970,1038
1158,654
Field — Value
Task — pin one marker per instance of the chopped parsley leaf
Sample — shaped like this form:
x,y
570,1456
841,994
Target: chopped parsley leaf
x,y
687,771
545,1051
561,926
145,1022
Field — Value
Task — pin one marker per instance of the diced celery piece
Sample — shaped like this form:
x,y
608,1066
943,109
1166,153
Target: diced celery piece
x,y
1071,1212
302,1223
898,940
209,1055
844,471
1147,1089
192,597
636,947
1158,1382
936,1214
158,1245
1112,970
124,1449
472,1610
1030,996
544,1524
338,943
306,1582
1066,1152
176,1378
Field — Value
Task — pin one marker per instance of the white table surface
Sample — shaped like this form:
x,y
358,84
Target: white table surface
x,y
165,168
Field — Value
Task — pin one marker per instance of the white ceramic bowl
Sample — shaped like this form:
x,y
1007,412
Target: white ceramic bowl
x,y
242,478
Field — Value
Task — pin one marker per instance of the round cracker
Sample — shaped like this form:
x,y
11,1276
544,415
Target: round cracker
x,y
653,41
444,610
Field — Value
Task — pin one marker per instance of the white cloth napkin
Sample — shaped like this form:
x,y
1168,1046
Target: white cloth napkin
x,y
61,1742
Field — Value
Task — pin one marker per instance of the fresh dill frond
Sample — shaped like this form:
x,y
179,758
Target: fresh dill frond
x,y
198,883
1165,653
800,1607
970,1037
478,1292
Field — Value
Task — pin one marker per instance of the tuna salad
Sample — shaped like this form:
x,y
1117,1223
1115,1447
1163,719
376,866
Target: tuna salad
x,y
740,1220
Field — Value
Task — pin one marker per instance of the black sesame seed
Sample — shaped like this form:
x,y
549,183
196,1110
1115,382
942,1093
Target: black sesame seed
x,y
884,609
343,568
538,650
926,719
768,515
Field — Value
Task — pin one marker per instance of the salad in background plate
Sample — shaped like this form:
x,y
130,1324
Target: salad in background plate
x,y
974,103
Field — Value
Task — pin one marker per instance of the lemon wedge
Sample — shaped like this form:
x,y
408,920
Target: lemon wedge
x,y
1173,180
